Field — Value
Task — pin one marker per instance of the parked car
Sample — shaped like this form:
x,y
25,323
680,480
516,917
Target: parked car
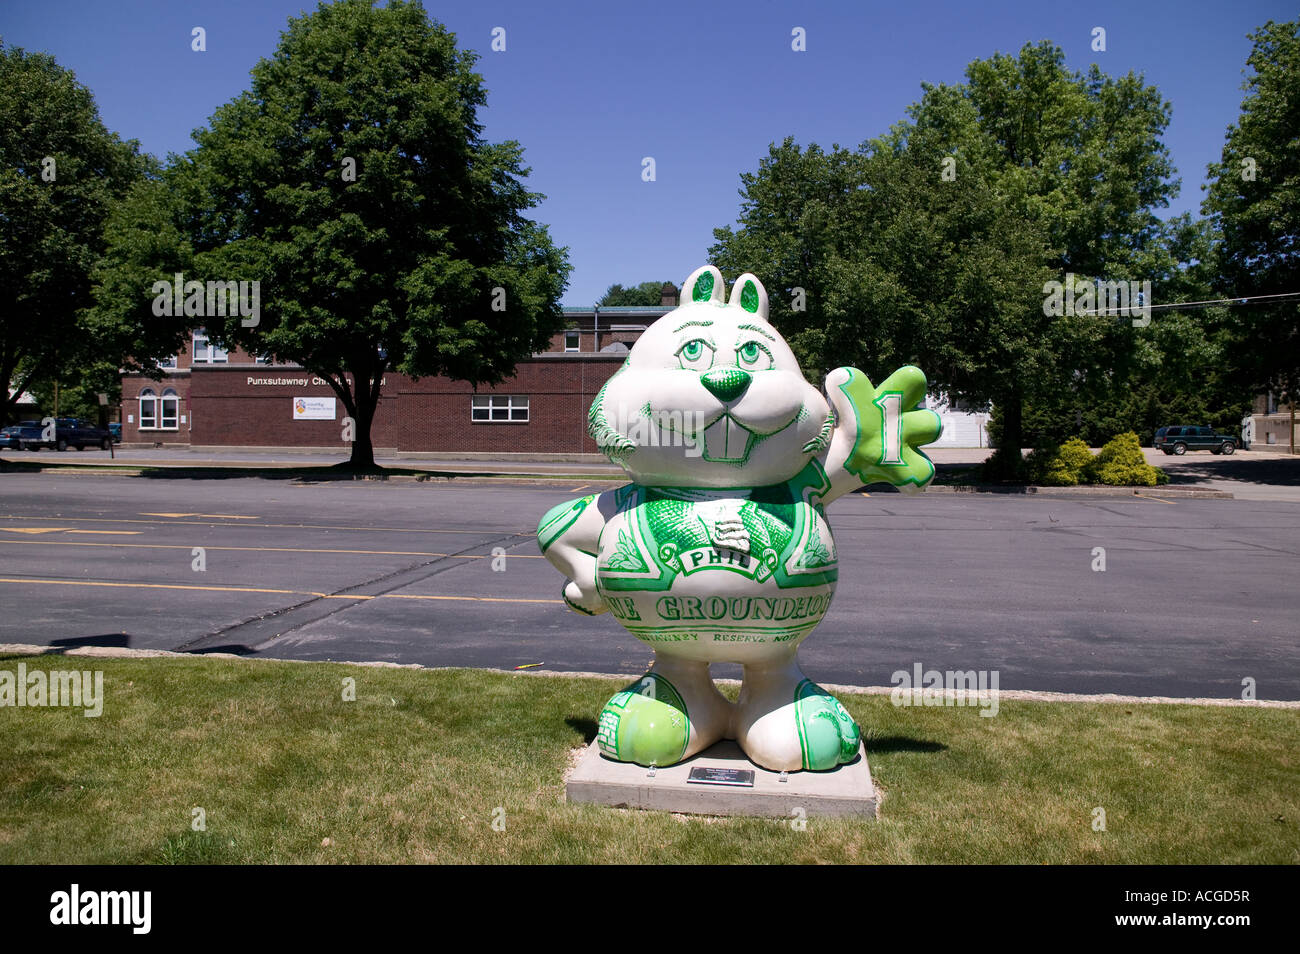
x,y
68,432
19,436
1179,440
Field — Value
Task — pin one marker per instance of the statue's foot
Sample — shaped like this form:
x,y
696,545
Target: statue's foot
x,y
669,714
786,722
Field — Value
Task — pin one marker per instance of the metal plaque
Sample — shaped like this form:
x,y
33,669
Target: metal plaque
x,y
714,775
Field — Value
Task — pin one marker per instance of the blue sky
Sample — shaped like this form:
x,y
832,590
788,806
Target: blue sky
x,y
703,87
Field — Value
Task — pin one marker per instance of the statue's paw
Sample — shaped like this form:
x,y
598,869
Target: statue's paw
x,y
828,735
588,604
645,723
814,732
879,430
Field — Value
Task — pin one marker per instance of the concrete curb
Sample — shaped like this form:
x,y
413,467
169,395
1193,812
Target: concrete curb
x,y
84,470
1086,491
1027,695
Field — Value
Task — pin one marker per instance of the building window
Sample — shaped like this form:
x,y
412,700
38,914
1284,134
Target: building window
x,y
205,352
572,341
498,408
148,410
155,409
170,410
168,362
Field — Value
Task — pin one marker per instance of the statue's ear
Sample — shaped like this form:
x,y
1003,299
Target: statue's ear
x,y
705,285
748,294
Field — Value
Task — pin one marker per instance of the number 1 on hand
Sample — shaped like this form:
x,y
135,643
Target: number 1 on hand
x,y
891,427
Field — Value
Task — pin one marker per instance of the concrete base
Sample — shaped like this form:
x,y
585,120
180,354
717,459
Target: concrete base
x,y
846,790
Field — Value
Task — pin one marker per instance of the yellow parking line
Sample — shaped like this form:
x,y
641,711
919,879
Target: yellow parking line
x,y
186,546
1156,499
160,586
260,526
478,599
251,589
224,516
35,530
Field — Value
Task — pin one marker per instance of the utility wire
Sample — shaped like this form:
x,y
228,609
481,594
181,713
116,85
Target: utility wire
x,y
1226,302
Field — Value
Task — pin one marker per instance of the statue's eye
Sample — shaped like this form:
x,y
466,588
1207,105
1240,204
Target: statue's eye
x,y
696,354
753,355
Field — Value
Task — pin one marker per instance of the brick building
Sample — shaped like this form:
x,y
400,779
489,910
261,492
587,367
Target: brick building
x,y
211,397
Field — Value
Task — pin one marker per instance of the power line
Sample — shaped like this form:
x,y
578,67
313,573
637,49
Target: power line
x,y
1226,302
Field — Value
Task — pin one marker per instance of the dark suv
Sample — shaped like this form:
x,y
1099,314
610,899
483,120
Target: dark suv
x,y
1179,440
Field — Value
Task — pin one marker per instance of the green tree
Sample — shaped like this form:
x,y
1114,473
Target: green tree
x,y
1254,202
61,171
1177,371
353,183
647,293
144,243
932,243
803,221
79,387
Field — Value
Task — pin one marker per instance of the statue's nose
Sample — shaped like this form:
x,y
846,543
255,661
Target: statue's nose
x,y
726,384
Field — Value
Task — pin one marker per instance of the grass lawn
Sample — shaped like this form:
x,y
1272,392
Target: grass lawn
x,y
417,767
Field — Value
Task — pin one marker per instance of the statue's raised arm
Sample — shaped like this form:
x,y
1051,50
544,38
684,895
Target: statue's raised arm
x,y
878,431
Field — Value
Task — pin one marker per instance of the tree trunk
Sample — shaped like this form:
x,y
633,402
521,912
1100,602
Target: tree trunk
x,y
1007,462
363,451
1013,427
359,406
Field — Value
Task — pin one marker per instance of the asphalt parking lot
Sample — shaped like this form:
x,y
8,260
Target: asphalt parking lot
x,y
1197,595
1263,473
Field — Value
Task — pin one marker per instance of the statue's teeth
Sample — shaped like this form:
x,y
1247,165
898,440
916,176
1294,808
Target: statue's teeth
x,y
725,439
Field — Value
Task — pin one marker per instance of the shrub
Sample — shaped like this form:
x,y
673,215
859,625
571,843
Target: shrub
x,y
1060,466
1120,463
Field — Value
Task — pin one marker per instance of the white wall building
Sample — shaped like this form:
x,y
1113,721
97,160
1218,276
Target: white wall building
x,y
964,425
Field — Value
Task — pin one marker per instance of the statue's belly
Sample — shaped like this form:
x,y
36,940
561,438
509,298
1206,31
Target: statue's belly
x,y
719,581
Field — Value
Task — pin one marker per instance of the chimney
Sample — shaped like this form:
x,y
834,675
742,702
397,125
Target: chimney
x,y
668,295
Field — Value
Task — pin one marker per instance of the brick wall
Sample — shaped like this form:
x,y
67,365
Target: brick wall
x,y
223,408
132,386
